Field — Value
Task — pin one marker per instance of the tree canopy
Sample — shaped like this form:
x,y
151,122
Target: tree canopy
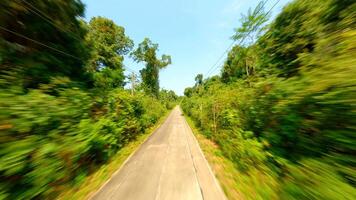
x,y
147,52
109,45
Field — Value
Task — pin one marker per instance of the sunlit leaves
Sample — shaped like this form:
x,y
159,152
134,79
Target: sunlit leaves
x,y
146,52
293,118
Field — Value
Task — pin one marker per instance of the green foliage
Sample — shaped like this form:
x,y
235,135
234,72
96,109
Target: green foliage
x,y
107,78
146,52
63,109
240,63
292,119
109,41
299,29
252,25
188,92
109,44
313,179
48,141
243,59
52,23
168,98
199,80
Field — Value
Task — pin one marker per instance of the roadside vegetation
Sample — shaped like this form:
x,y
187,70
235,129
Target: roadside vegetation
x,y
93,182
222,168
283,108
64,109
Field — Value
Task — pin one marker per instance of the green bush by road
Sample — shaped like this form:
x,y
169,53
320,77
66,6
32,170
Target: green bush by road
x,y
283,108
64,110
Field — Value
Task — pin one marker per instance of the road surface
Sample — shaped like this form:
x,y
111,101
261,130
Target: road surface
x,y
168,166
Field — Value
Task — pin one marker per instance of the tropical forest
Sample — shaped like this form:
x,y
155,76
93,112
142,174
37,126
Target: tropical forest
x,y
276,119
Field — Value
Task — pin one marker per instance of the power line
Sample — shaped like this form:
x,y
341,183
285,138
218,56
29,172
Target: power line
x,y
212,69
40,43
52,48
130,70
222,55
215,66
34,7
48,19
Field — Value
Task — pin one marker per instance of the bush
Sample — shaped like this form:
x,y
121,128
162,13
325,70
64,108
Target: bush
x,y
52,136
294,118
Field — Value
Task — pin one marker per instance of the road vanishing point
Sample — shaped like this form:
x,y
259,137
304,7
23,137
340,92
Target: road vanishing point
x,y
169,165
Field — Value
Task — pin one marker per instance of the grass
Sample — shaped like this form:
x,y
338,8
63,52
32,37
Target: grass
x,y
94,181
254,184
223,168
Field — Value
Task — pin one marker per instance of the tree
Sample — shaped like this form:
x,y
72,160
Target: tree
x,y
55,127
295,30
147,52
235,64
109,44
242,59
290,34
188,92
168,95
252,25
199,80
47,40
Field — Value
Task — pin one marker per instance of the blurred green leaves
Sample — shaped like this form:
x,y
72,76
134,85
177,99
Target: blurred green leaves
x,y
48,141
63,107
284,106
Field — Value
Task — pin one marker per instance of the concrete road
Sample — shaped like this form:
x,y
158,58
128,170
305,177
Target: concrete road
x,y
168,166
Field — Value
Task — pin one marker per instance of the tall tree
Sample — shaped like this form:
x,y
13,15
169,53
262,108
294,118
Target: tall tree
x,y
242,59
109,44
147,52
252,25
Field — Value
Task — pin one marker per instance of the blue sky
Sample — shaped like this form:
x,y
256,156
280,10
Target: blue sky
x,y
194,32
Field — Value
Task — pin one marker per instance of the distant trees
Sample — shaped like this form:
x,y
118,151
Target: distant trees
x,y
168,97
147,52
199,80
188,92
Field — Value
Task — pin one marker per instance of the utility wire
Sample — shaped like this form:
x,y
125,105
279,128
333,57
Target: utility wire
x,y
131,70
212,69
45,17
40,43
52,48
215,66
48,19
222,55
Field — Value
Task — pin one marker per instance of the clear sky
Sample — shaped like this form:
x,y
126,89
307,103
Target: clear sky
x,y
194,32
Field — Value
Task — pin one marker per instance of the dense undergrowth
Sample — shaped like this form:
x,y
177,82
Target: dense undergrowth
x,y
64,111
283,108
50,141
